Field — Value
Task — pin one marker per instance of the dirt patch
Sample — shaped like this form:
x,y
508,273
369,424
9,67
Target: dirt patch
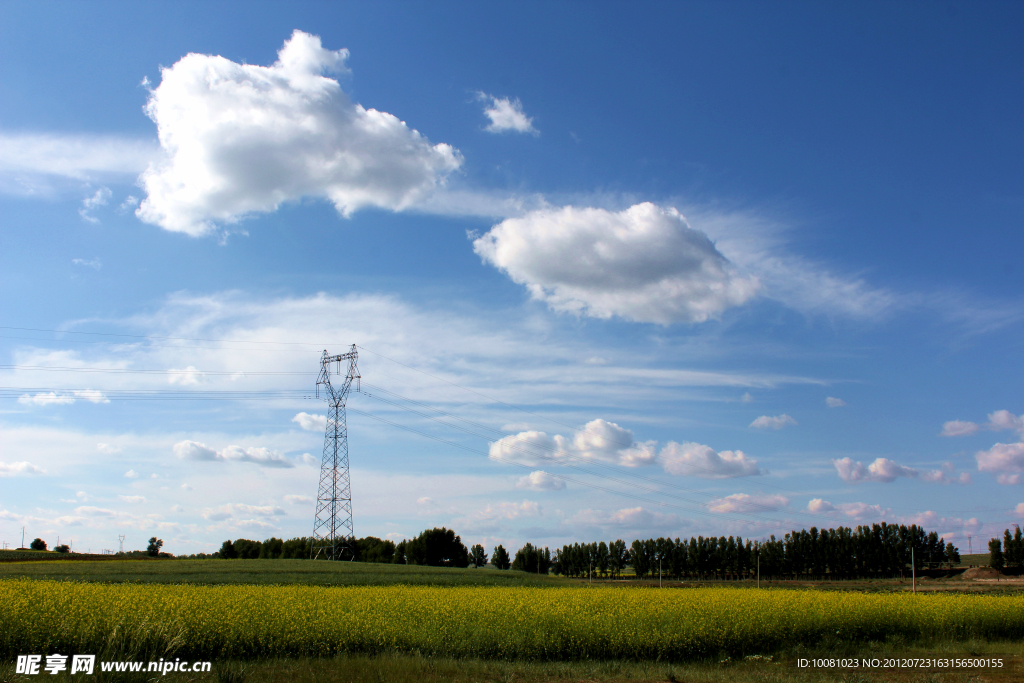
x,y
981,573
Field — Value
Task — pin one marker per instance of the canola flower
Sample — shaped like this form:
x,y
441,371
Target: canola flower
x,y
492,622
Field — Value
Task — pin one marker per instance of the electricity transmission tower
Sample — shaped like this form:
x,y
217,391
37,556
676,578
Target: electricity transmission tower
x,y
333,537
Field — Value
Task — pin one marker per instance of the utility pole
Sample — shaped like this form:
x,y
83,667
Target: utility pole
x,y
120,539
913,571
659,573
333,535
970,551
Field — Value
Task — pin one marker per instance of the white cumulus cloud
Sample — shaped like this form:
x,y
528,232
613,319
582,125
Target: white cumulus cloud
x,y
833,402
193,450
777,422
240,139
540,481
49,398
14,469
185,377
1002,458
598,440
311,423
882,470
698,460
644,264
506,115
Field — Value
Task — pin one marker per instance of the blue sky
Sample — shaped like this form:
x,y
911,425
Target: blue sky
x,y
728,268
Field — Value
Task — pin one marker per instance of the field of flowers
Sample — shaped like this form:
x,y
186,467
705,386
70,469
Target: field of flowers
x,y
241,622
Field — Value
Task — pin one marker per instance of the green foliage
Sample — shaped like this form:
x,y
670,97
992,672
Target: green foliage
x,y
62,549
876,551
531,559
246,549
500,558
437,548
153,549
37,544
227,550
995,552
373,549
271,548
478,555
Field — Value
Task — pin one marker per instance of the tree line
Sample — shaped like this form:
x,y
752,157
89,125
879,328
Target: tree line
x,y
878,550
1008,553
865,552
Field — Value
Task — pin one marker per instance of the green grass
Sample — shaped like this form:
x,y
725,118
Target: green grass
x,y
281,572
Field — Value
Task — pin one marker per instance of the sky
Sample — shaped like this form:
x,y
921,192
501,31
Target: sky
x,y
613,271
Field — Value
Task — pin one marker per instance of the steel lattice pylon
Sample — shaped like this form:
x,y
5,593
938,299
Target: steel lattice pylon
x,y
333,536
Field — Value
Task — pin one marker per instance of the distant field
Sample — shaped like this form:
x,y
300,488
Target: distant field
x,y
302,572
976,560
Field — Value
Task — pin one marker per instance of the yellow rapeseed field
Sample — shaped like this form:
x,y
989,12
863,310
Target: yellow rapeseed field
x,y
529,623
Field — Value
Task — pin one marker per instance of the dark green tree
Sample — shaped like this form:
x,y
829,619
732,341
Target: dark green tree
x,y
437,548
500,558
995,554
153,549
400,556
271,549
37,544
478,556
62,549
246,549
227,550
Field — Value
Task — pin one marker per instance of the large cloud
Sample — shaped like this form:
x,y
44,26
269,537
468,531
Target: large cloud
x,y
698,460
242,139
644,264
607,442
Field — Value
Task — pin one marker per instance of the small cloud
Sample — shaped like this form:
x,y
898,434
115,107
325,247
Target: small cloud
x,y
47,399
298,500
540,481
1008,479
15,469
131,474
186,487
144,83
153,476
853,510
309,459
185,377
506,115
747,398
959,428
177,508
94,264
833,402
65,398
1019,509
596,360
101,197
129,203
742,502
776,423
92,396
425,500
133,499
311,423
